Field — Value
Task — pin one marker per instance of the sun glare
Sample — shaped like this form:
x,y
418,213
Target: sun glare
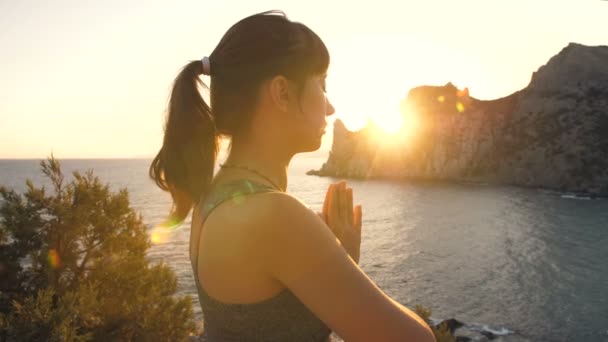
x,y
395,130
390,124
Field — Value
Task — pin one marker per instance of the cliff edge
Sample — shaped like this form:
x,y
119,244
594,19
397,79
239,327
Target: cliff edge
x,y
552,134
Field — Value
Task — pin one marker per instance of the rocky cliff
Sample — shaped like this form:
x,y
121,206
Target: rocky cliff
x,y
551,134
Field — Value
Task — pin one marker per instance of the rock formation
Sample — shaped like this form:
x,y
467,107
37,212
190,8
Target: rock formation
x,y
552,134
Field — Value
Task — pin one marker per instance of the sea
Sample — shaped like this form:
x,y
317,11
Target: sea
x,y
511,263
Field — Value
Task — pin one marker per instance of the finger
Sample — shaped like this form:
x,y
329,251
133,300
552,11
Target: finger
x,y
342,201
358,217
339,219
331,206
349,206
326,203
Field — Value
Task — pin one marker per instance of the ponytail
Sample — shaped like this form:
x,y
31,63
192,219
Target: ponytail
x,y
185,164
254,49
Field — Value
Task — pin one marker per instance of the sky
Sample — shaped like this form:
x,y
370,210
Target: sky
x,y
91,79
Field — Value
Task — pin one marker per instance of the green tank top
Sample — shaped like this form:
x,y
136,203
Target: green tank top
x,y
280,318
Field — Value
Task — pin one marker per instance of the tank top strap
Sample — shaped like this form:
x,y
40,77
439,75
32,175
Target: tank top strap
x,y
234,190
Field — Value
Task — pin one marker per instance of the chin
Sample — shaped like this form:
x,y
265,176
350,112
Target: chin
x,y
312,146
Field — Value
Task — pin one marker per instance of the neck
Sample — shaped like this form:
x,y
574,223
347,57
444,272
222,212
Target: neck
x,y
262,156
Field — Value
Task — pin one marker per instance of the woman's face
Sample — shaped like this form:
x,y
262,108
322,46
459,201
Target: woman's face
x,y
310,110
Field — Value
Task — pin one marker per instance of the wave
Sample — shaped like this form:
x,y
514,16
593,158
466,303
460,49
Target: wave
x,y
500,331
576,197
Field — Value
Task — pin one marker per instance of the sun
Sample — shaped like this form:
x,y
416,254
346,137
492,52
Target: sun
x,y
389,123
398,128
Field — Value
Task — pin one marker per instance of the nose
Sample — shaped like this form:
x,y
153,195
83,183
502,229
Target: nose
x,y
329,108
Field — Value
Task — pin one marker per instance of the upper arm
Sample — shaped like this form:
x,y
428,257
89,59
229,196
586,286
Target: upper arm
x,y
299,250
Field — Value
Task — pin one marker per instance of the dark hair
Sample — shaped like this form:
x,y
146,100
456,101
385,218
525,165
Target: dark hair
x,y
253,50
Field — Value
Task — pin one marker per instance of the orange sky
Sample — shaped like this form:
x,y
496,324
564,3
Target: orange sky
x,y
90,79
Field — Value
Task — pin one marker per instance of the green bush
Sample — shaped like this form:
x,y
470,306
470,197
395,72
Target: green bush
x,y
73,267
442,333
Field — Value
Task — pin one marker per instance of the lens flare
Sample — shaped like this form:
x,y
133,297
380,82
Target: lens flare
x,y
159,235
53,258
462,93
171,224
239,197
459,107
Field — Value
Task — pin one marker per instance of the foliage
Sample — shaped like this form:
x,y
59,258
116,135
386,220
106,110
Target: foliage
x,y
442,333
73,266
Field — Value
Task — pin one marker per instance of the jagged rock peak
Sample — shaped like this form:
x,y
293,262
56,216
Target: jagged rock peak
x,y
448,87
573,66
448,90
339,126
557,123
431,100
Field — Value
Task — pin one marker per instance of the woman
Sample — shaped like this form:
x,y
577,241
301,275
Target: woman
x,y
266,267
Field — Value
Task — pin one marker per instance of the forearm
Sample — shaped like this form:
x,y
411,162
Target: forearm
x,y
424,332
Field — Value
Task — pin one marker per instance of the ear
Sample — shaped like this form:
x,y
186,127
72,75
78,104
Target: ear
x,y
279,92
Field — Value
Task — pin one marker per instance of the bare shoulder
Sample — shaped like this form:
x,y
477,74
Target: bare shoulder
x,y
287,229
270,220
274,208
299,250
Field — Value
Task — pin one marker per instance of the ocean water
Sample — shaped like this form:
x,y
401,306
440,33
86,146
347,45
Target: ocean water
x,y
526,264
